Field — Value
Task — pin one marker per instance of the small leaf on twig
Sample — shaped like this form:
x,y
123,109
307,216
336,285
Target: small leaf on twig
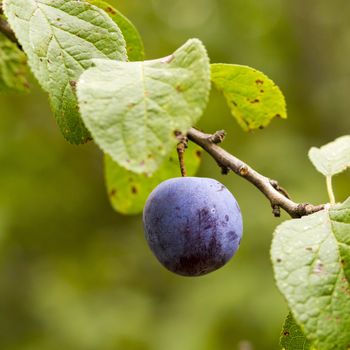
x,y
332,158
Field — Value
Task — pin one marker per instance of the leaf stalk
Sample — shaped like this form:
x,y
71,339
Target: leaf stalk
x,y
330,190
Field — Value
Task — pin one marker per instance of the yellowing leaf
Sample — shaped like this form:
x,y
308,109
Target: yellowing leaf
x,y
253,98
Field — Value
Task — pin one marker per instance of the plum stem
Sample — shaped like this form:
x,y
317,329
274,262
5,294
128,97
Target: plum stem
x,y
181,148
277,195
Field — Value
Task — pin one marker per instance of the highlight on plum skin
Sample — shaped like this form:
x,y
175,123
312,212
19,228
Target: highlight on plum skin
x,y
192,225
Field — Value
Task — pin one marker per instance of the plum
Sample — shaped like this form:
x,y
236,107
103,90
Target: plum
x,y
192,225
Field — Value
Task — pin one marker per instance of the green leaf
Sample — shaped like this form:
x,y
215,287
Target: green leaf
x,y
60,39
13,67
311,262
253,98
340,220
292,337
128,191
134,44
133,109
332,158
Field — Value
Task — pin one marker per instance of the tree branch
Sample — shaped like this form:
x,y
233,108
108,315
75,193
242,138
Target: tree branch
x,y
6,29
277,196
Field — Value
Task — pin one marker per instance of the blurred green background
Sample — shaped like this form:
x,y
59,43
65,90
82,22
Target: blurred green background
x,y
75,275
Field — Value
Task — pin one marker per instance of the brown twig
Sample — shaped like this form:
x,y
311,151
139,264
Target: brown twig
x,y
278,197
6,29
218,137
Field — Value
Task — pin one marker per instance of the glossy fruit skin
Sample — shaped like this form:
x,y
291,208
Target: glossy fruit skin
x,y
193,225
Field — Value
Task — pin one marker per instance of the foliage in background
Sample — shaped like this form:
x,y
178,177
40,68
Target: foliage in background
x,y
13,67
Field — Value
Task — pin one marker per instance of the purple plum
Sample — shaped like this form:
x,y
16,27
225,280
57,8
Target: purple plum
x,y
193,225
